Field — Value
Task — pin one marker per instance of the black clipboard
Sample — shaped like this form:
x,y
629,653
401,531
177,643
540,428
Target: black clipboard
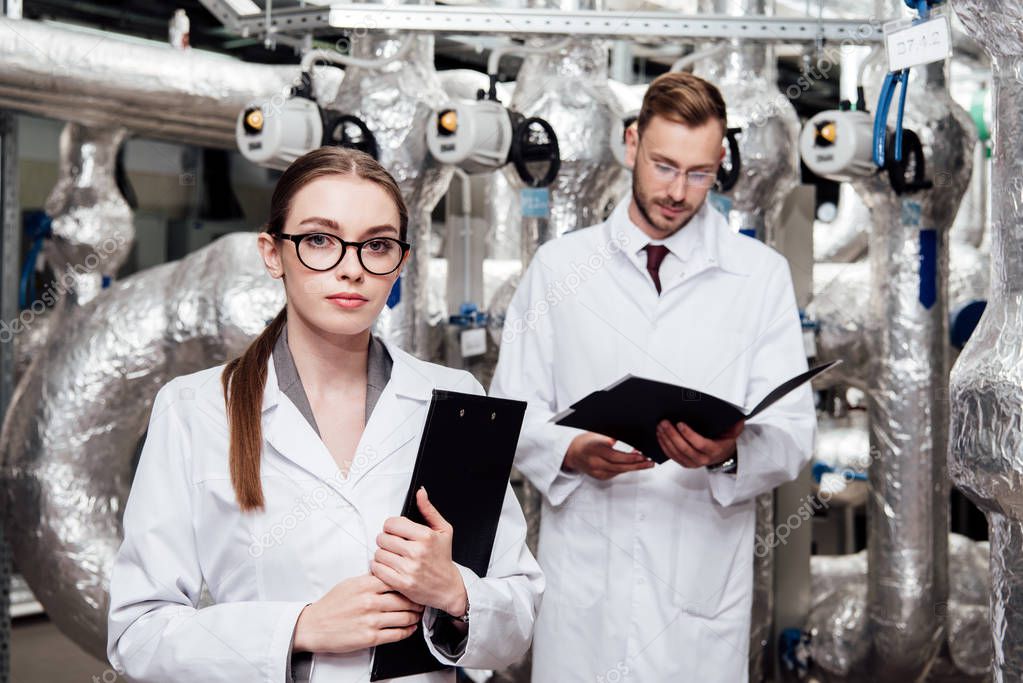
x,y
630,409
465,461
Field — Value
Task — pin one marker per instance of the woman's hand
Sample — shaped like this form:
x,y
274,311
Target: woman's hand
x,y
415,560
355,614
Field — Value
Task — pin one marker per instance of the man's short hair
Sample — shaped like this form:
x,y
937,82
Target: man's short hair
x,y
683,98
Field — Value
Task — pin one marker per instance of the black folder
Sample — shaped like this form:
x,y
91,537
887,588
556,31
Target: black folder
x,y
465,460
630,409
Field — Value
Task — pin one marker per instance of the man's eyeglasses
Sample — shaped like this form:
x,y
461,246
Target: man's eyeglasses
x,y
323,251
666,173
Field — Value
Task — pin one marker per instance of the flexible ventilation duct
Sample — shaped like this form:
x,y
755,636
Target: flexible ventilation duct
x,y
72,431
986,394
93,228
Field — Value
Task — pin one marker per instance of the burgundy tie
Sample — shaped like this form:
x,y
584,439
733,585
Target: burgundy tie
x,y
655,254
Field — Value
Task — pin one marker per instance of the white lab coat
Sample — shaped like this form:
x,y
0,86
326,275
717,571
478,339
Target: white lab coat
x,y
183,528
650,574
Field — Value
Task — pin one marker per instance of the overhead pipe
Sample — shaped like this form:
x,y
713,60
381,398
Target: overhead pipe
x,y
104,80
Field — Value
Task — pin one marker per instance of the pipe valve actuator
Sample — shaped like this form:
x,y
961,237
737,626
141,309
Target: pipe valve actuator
x,y
839,145
274,135
482,136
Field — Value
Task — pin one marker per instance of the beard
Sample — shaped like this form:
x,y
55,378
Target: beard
x,y
647,208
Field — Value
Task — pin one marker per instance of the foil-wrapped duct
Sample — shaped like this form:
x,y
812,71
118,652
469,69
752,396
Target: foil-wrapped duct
x,y
840,306
396,102
569,89
986,392
73,428
747,76
838,620
908,351
844,239
93,228
107,80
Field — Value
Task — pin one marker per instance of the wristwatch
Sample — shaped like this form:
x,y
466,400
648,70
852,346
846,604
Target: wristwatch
x,y
465,617
730,466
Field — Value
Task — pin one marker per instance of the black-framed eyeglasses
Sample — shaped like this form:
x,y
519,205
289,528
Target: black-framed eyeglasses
x,y
323,251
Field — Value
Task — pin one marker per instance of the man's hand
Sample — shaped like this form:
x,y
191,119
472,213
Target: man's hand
x,y
415,560
593,454
689,449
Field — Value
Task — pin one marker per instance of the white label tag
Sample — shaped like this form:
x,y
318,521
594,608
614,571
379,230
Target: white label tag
x,y
910,45
474,342
810,343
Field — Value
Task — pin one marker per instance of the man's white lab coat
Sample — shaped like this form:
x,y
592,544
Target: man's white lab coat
x,y
650,573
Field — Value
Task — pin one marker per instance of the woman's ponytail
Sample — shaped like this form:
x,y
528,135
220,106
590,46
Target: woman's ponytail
x,y
244,380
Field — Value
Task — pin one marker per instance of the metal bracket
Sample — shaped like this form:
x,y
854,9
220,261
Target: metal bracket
x,y
438,19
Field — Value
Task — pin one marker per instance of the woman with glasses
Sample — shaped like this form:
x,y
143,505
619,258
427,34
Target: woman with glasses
x,y
274,481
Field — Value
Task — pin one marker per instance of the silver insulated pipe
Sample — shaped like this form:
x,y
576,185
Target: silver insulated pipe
x,y
746,74
908,506
396,102
93,228
844,239
103,79
73,429
986,392
908,351
569,89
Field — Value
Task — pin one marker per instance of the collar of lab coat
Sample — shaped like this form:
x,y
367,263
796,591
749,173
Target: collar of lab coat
x,y
406,379
707,241
392,424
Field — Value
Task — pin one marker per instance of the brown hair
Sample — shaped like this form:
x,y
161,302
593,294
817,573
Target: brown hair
x,y
244,378
683,98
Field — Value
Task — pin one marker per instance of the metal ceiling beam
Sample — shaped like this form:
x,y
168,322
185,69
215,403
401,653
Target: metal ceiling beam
x,y
524,22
